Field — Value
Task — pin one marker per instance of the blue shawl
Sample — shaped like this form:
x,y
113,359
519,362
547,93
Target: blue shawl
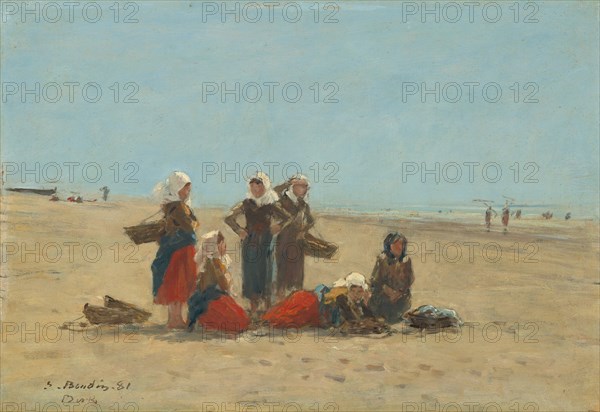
x,y
169,244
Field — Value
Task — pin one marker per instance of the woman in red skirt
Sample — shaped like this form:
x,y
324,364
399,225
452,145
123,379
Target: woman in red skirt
x,y
211,306
174,268
344,303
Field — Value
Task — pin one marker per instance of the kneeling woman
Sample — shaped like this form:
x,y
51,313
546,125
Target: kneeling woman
x,y
391,280
344,305
211,305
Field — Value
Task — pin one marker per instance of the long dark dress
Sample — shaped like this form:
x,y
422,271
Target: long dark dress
x,y
396,275
290,256
257,256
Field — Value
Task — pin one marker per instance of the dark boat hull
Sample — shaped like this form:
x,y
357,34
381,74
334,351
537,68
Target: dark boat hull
x,y
45,192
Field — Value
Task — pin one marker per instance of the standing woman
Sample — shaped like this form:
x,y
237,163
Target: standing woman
x,y
260,208
290,256
391,280
174,268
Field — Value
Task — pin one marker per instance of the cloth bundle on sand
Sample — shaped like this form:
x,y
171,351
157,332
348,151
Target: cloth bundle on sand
x,y
115,312
429,317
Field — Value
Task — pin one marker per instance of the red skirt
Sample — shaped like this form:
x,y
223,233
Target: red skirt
x,y
299,309
224,314
180,278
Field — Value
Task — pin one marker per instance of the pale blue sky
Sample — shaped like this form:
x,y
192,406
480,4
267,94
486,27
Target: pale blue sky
x,y
368,134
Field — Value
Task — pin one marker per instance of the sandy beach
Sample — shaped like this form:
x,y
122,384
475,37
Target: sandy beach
x,y
529,300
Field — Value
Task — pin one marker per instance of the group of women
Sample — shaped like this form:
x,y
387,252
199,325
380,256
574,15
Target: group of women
x,y
276,219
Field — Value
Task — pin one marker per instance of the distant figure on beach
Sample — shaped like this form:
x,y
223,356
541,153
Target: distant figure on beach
x,y
290,256
260,209
568,216
211,305
488,217
75,199
105,190
174,268
391,280
505,216
547,215
518,214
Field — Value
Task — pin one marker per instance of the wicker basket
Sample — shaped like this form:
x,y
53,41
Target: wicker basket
x,y
139,315
97,315
429,317
319,248
427,322
114,312
146,232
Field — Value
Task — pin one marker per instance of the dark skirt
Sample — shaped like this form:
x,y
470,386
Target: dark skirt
x,y
381,305
290,261
257,265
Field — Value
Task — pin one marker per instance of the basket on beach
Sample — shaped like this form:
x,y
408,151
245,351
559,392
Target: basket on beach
x,y
430,317
316,247
138,314
426,322
114,312
146,232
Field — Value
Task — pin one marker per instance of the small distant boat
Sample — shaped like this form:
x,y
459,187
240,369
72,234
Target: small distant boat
x,y
44,192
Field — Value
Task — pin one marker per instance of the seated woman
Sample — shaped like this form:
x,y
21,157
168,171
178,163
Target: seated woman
x,y
391,280
211,305
344,305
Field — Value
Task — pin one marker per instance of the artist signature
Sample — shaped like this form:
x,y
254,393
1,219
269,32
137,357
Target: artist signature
x,y
94,384
68,399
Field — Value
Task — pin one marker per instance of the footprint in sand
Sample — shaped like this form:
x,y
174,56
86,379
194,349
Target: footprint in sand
x,y
338,378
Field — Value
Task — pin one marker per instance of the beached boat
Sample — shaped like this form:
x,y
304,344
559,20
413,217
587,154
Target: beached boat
x,y
44,192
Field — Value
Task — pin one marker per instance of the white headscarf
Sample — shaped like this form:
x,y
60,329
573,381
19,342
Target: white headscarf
x,y
353,279
269,197
209,249
289,192
168,190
